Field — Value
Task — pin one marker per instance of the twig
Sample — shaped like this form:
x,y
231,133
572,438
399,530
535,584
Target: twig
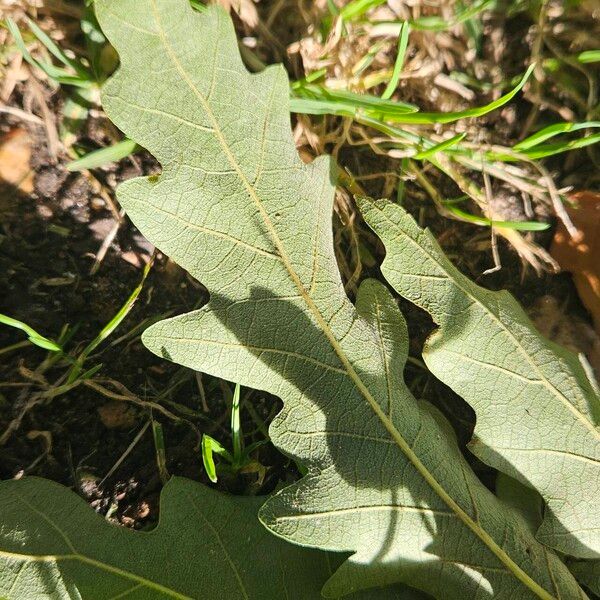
x,y
99,188
125,454
50,125
127,396
21,114
11,76
16,422
15,346
202,392
106,243
559,208
494,241
430,189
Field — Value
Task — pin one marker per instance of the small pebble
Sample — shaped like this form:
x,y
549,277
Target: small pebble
x,y
97,203
45,212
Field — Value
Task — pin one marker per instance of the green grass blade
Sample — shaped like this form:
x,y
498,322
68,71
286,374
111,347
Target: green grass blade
x,y
33,336
370,102
311,106
73,80
104,156
208,459
440,147
209,448
56,51
110,326
402,45
457,200
436,23
90,372
44,343
391,130
357,8
319,100
95,43
431,118
310,78
57,74
60,76
589,56
439,24
160,450
367,60
315,106
47,68
121,314
545,150
236,430
485,222
552,130
332,8
198,5
220,450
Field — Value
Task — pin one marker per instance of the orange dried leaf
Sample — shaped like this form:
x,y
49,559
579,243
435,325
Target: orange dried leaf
x,y
15,154
582,257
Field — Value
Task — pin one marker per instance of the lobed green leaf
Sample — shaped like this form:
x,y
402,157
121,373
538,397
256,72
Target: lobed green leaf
x,y
537,410
207,545
236,207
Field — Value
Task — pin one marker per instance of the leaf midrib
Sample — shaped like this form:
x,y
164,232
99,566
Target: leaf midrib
x,y
390,427
76,556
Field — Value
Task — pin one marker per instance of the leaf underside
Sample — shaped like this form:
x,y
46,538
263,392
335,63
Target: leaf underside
x,y
537,410
236,207
588,573
207,546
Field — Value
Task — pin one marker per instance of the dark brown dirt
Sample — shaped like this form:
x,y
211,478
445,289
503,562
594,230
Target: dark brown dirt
x,y
48,242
